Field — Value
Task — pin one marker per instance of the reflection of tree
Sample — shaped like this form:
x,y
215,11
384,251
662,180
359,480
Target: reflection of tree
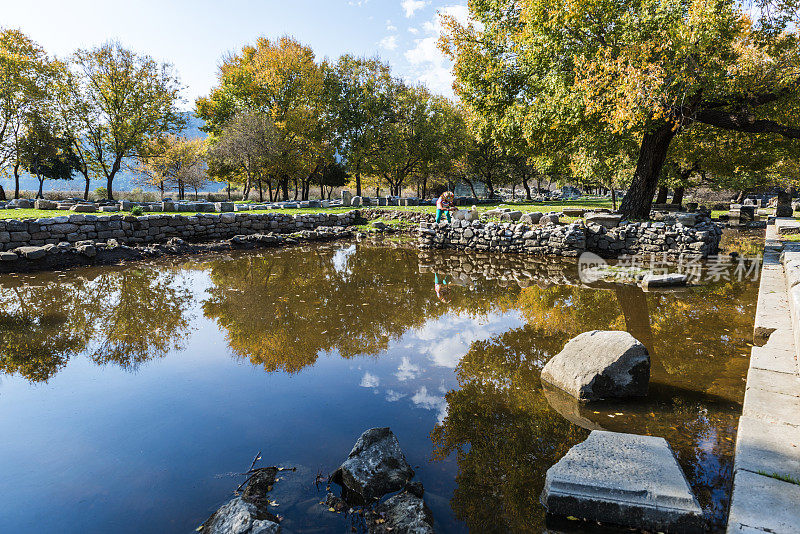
x,y
503,432
121,316
280,310
36,338
505,435
139,316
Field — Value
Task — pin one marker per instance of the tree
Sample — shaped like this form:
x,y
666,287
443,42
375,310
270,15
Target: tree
x,y
123,100
45,152
25,74
172,161
648,70
247,145
282,80
359,92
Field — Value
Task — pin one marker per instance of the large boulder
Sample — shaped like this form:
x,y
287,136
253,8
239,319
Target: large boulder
x,y
600,365
375,467
405,513
626,480
247,514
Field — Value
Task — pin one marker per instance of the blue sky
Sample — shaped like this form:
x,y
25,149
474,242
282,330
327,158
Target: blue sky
x,y
194,35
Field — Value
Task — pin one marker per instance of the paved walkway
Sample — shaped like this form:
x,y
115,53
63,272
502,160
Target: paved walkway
x,y
766,486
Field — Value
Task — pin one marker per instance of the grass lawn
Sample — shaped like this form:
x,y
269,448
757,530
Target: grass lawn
x,y
522,206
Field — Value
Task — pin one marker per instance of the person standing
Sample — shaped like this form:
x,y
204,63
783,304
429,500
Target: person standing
x,y
445,204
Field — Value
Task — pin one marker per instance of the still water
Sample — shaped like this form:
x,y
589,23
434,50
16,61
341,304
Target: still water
x,y
130,396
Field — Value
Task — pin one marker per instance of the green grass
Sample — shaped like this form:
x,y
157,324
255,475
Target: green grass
x,y
785,478
521,206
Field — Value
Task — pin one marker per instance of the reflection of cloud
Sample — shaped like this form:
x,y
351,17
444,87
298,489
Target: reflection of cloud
x,y
449,338
370,381
406,370
341,259
394,396
430,402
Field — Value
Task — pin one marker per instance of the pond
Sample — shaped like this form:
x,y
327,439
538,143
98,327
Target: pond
x,y
130,396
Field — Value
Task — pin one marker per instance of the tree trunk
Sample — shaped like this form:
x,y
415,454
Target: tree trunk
x,y
614,198
741,196
229,189
677,196
527,188
40,194
358,178
653,152
2,193
16,180
661,197
285,187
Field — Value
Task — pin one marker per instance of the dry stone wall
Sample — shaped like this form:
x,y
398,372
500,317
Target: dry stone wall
x,y
698,240
159,228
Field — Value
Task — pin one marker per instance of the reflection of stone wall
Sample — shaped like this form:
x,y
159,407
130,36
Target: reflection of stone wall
x,y
158,228
524,271
699,240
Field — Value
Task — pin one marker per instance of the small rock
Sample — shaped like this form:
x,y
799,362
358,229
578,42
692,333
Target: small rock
x,y
375,467
652,281
607,220
405,513
600,365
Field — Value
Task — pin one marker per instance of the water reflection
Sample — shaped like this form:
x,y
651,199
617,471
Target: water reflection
x,y
120,316
490,325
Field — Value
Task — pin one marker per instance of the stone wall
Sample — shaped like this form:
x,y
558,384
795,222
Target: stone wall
x,y
700,239
16,233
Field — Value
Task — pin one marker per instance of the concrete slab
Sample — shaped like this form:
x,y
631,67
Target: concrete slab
x,y
774,407
784,383
765,447
763,504
773,359
623,479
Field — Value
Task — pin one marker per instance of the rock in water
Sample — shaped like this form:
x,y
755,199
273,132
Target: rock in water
x,y
600,365
249,513
626,480
405,513
652,281
375,466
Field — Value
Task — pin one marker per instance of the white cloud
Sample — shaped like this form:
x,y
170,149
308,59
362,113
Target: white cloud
x,y
389,42
370,381
430,65
390,27
413,30
412,6
406,370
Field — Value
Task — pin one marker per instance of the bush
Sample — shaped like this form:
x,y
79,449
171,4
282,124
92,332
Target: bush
x,y
136,211
100,193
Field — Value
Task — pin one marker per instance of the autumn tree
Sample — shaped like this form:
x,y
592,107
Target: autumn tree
x,y
172,161
25,74
46,151
281,79
247,145
124,100
649,70
359,92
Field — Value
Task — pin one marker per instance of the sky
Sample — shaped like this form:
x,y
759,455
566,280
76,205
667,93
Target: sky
x,y
195,35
